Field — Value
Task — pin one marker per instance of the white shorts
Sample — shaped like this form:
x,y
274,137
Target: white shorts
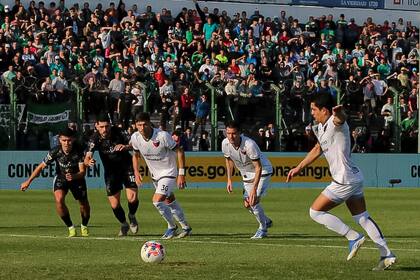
x,y
165,185
262,187
339,193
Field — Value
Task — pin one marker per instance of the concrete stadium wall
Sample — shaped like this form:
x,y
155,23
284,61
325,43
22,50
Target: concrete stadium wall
x,y
300,12
208,170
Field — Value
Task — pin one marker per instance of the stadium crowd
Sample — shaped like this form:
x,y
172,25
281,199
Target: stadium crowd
x,y
118,53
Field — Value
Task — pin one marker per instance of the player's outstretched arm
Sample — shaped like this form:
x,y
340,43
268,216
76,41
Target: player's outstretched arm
x,y
339,115
181,168
310,157
25,185
137,175
229,172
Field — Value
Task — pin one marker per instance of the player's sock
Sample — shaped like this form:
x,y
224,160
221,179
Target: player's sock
x,y
66,219
132,207
119,214
178,214
260,216
166,213
374,232
85,219
329,221
352,235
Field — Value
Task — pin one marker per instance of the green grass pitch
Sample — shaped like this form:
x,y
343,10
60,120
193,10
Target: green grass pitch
x,y
33,242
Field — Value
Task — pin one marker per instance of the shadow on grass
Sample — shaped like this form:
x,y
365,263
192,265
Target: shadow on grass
x,y
270,236
183,264
406,268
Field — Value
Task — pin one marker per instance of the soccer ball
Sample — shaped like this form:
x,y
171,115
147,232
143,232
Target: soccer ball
x,y
152,252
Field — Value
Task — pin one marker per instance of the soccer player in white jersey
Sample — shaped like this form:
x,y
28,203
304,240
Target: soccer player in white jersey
x,y
333,137
256,171
160,153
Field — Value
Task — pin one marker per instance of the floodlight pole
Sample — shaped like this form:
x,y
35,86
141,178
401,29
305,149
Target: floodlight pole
x,y
13,115
213,118
278,116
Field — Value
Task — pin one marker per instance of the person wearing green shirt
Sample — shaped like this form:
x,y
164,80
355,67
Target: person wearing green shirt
x,y
408,123
208,28
189,34
222,57
338,49
80,67
384,69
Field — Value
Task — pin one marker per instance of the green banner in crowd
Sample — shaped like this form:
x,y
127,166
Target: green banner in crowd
x,y
48,116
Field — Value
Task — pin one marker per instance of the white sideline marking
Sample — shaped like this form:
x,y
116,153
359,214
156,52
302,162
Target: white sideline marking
x,y
132,238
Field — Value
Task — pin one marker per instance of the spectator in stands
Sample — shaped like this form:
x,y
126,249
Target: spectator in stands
x,y
412,100
186,104
408,124
116,87
388,112
124,107
61,86
202,111
198,46
204,143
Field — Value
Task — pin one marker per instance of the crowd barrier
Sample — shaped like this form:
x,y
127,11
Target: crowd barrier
x,y
207,169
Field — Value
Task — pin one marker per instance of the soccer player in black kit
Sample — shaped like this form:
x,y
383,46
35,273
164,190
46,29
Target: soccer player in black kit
x,y
113,146
70,175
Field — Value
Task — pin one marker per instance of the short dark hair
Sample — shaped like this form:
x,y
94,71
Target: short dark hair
x,y
233,124
142,117
323,100
68,132
102,118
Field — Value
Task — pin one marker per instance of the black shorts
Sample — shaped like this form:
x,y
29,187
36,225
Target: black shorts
x,y
115,181
77,187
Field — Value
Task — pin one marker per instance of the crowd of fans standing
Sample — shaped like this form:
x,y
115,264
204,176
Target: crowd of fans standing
x,y
118,53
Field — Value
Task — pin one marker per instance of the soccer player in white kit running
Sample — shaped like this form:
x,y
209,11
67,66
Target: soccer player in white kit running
x,y
333,137
256,171
160,153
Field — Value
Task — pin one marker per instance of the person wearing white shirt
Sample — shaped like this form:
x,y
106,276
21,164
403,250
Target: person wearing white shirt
x,y
334,142
256,170
207,65
387,112
161,153
105,37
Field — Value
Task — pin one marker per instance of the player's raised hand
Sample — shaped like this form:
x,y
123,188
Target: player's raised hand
x,y
292,173
339,115
181,182
24,186
337,110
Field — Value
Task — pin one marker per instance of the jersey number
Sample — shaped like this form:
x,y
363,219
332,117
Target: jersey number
x,y
164,188
132,179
